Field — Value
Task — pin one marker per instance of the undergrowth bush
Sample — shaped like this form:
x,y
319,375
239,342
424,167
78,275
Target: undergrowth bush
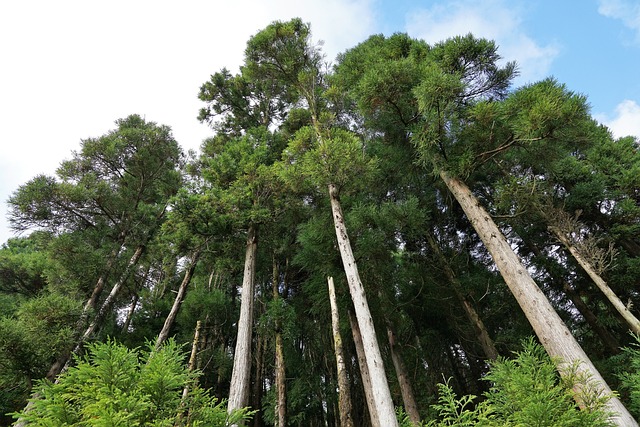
x,y
118,387
525,391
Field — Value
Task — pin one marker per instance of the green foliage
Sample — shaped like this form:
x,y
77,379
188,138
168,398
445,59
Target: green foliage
x,y
339,159
116,386
630,377
118,183
525,391
22,265
30,339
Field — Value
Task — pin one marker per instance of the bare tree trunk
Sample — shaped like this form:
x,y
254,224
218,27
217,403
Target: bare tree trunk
x,y
130,312
632,321
171,317
410,405
192,366
364,371
344,390
281,400
99,287
485,340
240,376
258,381
548,326
381,394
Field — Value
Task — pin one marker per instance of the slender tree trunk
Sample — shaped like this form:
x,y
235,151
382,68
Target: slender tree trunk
x,y
240,376
410,405
258,381
381,394
344,390
632,321
485,340
364,371
99,287
192,366
548,326
281,400
130,313
171,317
610,342
281,403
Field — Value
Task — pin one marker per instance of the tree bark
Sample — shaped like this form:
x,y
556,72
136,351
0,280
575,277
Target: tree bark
x,y
240,376
364,370
258,381
171,317
281,399
191,366
632,321
547,324
99,287
130,313
381,394
410,405
344,390
485,340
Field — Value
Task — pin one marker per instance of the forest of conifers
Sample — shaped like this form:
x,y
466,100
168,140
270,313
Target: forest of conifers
x,y
401,237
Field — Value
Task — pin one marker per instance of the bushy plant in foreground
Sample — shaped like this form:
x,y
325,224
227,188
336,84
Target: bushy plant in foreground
x,y
525,391
116,386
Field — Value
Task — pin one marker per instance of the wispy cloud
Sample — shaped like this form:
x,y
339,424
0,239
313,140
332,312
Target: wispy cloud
x,y
628,11
625,121
495,20
72,68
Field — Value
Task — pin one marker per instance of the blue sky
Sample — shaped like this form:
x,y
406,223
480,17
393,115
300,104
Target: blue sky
x,y
69,68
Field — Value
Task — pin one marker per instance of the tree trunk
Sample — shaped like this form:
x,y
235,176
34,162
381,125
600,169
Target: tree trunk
x,y
99,287
281,395
171,317
548,326
381,394
130,313
258,381
632,321
410,405
192,366
364,371
240,376
611,343
344,390
485,340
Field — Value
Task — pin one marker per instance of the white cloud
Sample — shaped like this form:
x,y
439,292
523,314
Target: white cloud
x,y
69,69
628,11
625,121
495,20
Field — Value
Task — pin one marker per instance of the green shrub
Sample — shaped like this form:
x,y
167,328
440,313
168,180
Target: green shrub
x,y
525,391
115,386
